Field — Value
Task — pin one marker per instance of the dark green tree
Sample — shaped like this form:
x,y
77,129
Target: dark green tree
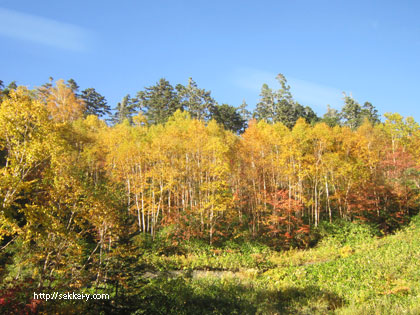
x,y
96,104
286,109
158,102
284,92
229,117
331,117
370,112
1,89
124,110
246,115
12,86
6,90
265,107
2,95
244,112
73,86
351,113
307,113
279,106
198,102
287,113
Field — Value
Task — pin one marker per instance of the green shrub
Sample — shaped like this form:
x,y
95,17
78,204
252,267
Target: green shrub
x,y
344,232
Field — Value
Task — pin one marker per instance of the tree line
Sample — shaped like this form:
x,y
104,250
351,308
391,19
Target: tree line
x,y
160,101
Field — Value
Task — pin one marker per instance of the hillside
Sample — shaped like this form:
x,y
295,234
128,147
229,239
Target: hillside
x,y
360,275
142,210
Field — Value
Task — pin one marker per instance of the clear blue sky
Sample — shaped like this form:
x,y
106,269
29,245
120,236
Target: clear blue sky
x,y
368,48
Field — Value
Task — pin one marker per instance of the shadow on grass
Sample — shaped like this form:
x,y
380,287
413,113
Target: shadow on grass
x,y
209,296
308,300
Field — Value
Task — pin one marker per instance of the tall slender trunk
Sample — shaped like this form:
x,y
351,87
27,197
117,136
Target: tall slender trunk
x,y
328,199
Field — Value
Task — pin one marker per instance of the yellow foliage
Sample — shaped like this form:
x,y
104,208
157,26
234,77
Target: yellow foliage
x,y
62,104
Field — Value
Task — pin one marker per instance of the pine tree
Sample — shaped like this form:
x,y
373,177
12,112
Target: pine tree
x,y
331,117
124,110
370,112
6,90
96,104
279,106
159,102
265,107
198,102
244,112
73,86
228,117
351,112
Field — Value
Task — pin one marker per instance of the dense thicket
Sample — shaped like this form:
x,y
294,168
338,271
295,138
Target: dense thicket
x,y
76,193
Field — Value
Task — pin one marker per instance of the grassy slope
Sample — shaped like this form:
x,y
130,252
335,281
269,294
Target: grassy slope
x,y
361,276
372,277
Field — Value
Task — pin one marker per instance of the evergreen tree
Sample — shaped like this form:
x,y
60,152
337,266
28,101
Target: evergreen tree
x,y
286,110
279,106
73,86
370,112
44,90
159,102
246,115
309,115
284,92
351,112
244,112
198,102
228,117
287,113
12,86
331,117
6,90
1,90
124,110
265,107
96,104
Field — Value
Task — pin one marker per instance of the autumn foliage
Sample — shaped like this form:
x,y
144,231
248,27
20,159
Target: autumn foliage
x,y
74,189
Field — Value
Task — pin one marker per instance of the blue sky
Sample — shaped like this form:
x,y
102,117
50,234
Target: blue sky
x,y
370,49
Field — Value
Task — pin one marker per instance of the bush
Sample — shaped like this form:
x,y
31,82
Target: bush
x,y
250,247
344,232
